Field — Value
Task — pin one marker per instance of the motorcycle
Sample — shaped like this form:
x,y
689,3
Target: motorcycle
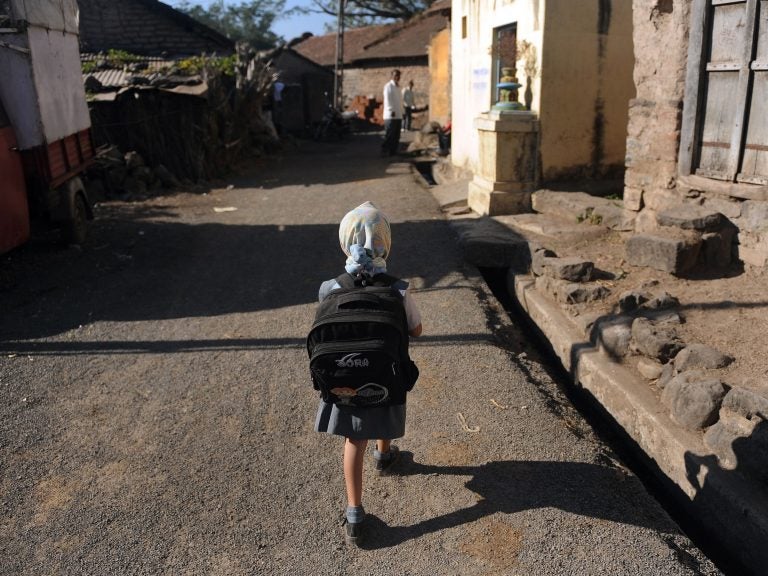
x,y
334,125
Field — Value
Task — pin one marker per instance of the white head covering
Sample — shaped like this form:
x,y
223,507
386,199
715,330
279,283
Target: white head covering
x,y
365,238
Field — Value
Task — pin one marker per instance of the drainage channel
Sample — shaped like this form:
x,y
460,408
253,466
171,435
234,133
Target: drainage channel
x,y
424,168
606,428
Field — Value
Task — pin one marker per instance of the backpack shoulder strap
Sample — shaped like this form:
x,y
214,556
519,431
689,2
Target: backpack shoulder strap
x,y
397,284
384,280
346,280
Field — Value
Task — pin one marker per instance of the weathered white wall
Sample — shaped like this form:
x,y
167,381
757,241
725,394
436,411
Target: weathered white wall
x,y
59,83
472,63
52,14
578,78
46,100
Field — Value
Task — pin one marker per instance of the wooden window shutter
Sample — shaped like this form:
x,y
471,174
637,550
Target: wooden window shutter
x,y
732,142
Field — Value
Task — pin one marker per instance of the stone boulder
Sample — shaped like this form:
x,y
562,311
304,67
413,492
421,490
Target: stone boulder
x,y
572,269
633,299
658,341
693,399
675,253
740,436
662,301
571,292
668,372
538,256
701,357
746,403
691,217
613,335
650,369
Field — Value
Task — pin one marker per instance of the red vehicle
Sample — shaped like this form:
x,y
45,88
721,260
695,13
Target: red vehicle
x,y
45,137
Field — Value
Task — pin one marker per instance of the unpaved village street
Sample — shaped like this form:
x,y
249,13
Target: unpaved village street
x,y
156,410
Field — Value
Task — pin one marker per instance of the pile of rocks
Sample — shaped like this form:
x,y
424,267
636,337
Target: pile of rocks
x,y
567,280
642,331
127,177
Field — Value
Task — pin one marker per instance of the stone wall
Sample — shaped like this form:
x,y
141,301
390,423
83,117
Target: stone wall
x,y
652,182
661,46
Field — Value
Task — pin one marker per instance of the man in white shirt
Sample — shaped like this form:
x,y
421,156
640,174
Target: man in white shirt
x,y
408,105
393,115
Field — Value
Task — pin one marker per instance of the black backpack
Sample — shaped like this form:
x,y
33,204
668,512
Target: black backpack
x,y
358,344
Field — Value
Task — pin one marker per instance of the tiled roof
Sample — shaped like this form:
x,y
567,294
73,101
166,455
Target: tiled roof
x,y
443,6
400,40
322,49
146,27
412,39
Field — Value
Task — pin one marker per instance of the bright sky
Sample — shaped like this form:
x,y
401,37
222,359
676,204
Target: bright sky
x,y
287,27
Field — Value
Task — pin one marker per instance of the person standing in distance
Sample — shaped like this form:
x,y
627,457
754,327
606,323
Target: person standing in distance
x,y
393,115
408,105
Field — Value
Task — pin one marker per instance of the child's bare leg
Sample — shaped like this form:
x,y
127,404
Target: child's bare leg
x,y
354,453
383,445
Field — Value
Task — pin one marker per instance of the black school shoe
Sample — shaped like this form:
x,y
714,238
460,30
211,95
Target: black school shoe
x,y
383,466
353,532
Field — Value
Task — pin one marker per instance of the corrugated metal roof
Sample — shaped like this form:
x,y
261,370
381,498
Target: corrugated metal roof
x,y
141,71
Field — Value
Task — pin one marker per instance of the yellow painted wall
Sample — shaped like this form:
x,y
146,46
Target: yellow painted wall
x,y
587,66
581,86
440,77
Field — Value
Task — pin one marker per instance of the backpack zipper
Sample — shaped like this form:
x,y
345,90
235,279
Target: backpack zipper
x,y
355,317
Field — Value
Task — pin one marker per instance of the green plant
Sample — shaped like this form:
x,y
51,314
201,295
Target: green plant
x,y
590,217
116,58
196,64
89,67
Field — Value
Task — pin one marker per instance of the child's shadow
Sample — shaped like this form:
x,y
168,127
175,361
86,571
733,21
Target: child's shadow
x,y
512,486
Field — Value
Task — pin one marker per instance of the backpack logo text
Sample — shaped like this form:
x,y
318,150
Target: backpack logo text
x,y
352,361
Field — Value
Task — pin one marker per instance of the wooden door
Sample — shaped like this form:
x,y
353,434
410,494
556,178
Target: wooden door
x,y
733,130
754,164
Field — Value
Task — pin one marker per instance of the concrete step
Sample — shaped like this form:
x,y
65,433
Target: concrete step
x,y
581,207
545,227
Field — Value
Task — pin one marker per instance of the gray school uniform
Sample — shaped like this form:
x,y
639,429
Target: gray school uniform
x,y
378,423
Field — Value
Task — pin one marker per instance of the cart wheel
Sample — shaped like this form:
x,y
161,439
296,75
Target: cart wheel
x,y
75,227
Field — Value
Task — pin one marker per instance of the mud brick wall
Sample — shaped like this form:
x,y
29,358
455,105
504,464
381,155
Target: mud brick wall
x,y
370,81
655,114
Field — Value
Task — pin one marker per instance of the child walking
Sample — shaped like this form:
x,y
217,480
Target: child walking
x,y
364,235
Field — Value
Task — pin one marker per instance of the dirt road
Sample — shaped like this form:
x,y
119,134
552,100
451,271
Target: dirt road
x,y
156,411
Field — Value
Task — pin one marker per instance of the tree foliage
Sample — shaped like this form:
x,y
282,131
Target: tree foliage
x,y
366,12
249,21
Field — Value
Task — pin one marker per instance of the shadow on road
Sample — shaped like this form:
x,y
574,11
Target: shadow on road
x,y
307,163
513,486
139,267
